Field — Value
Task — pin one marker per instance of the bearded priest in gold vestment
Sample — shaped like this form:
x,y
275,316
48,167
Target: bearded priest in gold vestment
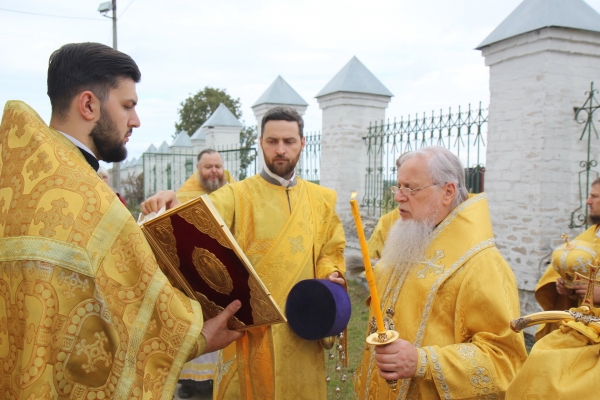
x,y
85,312
208,176
446,289
289,230
551,292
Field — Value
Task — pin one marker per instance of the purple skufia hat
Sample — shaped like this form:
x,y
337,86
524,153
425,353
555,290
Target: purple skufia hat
x,y
317,308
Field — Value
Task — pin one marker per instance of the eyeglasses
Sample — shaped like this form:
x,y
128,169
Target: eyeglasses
x,y
408,191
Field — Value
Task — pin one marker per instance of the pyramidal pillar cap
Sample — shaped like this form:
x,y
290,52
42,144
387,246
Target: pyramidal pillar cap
x,y
532,15
354,77
280,93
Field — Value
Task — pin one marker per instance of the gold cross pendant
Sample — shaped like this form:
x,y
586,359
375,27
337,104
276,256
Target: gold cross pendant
x,y
588,300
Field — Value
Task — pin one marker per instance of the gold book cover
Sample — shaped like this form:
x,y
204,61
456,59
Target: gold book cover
x,y
199,255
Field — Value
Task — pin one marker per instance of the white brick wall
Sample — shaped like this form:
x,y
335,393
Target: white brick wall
x,y
533,149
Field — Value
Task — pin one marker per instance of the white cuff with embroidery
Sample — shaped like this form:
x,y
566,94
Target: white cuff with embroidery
x,y
422,367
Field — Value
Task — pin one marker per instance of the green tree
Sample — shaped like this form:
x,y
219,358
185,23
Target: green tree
x,y
196,109
247,141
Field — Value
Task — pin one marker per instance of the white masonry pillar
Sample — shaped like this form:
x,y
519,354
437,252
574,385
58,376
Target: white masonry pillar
x,y
537,77
351,101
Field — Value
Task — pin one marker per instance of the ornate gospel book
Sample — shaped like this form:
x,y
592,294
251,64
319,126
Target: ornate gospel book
x,y
199,256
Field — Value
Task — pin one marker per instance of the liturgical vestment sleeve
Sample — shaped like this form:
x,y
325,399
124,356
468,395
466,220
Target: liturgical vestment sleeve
x,y
485,346
563,365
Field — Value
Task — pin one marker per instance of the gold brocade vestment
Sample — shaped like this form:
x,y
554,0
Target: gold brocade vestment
x,y
562,365
546,294
455,306
377,239
85,313
288,234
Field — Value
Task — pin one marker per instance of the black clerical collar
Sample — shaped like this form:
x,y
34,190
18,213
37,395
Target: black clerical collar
x,y
87,153
90,159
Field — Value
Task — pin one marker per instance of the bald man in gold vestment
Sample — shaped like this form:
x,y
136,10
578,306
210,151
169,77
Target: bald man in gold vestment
x,y
289,230
85,312
446,289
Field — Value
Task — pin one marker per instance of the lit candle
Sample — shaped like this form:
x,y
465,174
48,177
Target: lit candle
x,y
368,269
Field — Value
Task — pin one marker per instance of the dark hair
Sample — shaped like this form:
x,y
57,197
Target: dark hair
x,y
205,151
283,114
77,67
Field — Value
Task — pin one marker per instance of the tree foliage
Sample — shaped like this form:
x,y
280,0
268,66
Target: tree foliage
x,y
196,109
133,192
247,141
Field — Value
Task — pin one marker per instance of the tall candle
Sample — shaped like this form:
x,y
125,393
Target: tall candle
x,y
368,269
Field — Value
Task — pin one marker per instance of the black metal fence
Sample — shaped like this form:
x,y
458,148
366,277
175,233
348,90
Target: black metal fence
x,y
241,163
585,116
168,171
309,165
463,132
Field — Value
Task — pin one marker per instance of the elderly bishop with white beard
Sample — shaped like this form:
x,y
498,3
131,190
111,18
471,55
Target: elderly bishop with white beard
x,y
445,288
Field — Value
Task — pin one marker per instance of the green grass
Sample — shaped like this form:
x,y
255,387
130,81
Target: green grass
x,y
357,328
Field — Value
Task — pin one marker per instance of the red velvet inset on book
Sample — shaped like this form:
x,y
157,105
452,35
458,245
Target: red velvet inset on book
x,y
239,275
200,257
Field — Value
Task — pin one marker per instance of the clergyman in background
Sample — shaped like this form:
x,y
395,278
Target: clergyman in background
x,y
209,176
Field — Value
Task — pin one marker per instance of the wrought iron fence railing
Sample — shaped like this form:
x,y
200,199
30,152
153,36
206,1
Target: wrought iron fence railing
x,y
241,163
585,116
309,165
463,132
168,171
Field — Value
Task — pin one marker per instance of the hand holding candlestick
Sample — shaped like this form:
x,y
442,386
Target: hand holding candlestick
x,y
382,336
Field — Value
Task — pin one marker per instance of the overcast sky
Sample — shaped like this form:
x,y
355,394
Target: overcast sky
x,y
422,51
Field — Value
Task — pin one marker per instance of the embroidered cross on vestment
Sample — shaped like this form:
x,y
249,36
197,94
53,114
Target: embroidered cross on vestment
x,y
431,264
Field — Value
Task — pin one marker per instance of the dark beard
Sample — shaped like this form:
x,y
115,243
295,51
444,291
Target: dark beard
x,y
594,219
211,185
107,139
285,169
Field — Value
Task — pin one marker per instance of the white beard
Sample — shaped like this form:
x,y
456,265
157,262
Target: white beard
x,y
407,242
